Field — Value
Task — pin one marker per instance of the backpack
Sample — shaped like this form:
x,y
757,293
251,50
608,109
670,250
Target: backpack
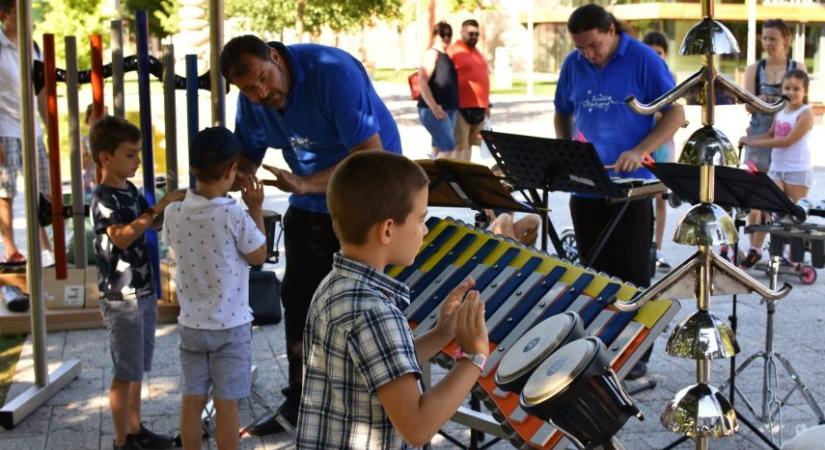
x,y
415,93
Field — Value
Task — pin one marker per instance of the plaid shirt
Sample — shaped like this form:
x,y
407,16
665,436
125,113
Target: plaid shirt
x,y
356,340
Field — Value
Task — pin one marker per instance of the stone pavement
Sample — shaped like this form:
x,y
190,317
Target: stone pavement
x,y
77,418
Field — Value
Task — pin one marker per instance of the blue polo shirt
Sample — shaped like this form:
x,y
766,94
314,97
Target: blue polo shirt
x,y
595,97
331,107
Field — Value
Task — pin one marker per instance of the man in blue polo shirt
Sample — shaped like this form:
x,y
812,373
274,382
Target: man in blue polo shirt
x,y
606,67
317,104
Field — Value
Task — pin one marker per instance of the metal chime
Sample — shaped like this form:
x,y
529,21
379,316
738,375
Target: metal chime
x,y
700,411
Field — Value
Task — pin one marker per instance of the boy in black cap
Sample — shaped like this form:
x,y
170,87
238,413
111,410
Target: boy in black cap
x,y
128,302
213,241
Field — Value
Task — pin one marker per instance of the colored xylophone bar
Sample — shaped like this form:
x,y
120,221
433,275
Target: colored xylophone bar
x,y
521,287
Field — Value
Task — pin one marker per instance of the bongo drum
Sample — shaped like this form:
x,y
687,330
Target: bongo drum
x,y
576,389
534,347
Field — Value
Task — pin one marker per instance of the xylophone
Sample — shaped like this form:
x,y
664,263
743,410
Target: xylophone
x,y
522,287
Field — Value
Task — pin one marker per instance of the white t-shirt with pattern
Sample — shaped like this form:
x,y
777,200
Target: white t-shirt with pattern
x,y
207,240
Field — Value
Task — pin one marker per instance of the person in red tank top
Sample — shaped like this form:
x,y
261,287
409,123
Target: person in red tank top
x,y
473,89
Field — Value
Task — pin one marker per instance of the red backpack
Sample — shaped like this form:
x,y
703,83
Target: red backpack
x,y
415,94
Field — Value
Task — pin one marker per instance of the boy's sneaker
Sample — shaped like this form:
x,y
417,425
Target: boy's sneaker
x,y
47,258
129,445
147,439
750,259
661,264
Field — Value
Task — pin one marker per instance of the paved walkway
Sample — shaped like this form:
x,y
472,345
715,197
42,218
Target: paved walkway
x,y
77,418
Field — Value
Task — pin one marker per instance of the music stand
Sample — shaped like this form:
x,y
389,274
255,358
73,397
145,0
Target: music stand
x,y
737,188
463,184
533,164
734,188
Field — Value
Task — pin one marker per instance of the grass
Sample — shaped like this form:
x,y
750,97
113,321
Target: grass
x,y
540,87
10,348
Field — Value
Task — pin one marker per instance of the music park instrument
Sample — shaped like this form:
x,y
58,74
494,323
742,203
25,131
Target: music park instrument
x,y
576,389
522,287
534,347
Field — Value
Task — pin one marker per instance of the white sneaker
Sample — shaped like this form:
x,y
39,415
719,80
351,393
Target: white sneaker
x,y
47,258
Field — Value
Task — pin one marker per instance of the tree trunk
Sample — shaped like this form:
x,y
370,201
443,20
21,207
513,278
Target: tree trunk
x,y
299,20
194,28
430,21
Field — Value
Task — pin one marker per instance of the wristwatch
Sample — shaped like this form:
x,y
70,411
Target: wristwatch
x,y
478,359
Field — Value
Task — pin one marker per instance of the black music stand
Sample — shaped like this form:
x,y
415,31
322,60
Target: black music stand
x,y
733,188
466,185
537,164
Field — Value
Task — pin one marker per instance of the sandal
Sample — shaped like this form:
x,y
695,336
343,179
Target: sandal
x,y
750,259
16,259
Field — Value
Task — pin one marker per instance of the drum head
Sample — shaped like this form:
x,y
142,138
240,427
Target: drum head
x,y
558,371
534,347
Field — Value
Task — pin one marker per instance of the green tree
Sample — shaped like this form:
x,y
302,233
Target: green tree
x,y
262,17
79,18
163,20
340,15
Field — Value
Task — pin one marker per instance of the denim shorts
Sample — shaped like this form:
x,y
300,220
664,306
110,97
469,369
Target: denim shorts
x,y
131,327
218,358
442,131
800,178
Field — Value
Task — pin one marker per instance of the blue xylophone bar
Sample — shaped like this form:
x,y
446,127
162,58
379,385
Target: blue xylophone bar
x,y
507,289
453,254
482,282
561,305
452,281
144,96
425,254
589,312
533,296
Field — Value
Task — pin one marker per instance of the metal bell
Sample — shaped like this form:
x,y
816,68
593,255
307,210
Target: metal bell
x,y
702,335
706,224
709,37
700,410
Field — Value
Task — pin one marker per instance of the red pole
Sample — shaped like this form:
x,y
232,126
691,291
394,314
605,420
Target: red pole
x,y
54,158
97,84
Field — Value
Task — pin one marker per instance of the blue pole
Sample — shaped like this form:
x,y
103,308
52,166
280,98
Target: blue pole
x,y
144,97
192,119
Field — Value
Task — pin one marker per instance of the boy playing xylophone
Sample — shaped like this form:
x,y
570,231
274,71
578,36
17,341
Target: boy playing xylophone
x,y
361,378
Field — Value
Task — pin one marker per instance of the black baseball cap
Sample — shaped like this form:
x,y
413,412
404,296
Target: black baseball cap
x,y
212,146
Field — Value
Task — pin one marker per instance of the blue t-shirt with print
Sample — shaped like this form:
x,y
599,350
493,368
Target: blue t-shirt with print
x,y
331,107
595,98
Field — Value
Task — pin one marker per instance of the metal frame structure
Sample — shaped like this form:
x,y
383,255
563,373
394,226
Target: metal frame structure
x,y
45,384
700,411
48,384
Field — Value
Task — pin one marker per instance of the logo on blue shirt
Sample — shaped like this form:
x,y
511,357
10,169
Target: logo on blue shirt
x,y
601,102
300,142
